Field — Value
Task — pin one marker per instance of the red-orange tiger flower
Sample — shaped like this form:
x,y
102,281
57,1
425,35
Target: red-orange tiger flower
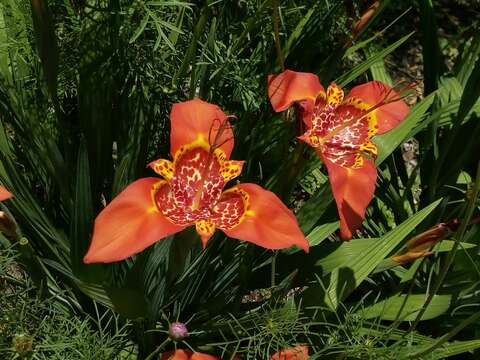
x,y
340,129
191,193
297,353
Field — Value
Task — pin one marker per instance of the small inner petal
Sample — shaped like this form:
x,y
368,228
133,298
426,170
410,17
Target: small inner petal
x,y
231,209
163,168
231,169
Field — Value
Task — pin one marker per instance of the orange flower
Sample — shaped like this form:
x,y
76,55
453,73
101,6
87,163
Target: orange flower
x,y
186,355
191,193
340,129
4,194
297,353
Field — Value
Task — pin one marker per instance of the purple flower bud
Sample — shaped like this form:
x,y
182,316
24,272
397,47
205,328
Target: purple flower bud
x,y
178,331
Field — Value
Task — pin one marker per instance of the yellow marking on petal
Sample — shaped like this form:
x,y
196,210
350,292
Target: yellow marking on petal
x,y
231,169
335,95
163,168
250,213
153,194
369,147
205,229
321,96
371,116
358,163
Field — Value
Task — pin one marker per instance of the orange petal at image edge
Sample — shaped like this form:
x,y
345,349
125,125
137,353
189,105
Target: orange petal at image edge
x,y
128,225
181,354
297,353
353,190
268,223
4,194
290,86
389,115
194,118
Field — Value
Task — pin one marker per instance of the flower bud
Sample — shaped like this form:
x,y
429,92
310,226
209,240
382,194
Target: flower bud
x,y
178,331
22,344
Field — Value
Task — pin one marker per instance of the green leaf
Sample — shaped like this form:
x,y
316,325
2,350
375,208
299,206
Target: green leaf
x,y
341,254
388,142
406,307
348,273
314,208
432,55
140,29
316,236
467,61
82,212
471,93
346,78
447,349
46,43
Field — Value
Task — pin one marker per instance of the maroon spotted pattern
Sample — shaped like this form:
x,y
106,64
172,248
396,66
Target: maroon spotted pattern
x,y
228,212
195,192
340,143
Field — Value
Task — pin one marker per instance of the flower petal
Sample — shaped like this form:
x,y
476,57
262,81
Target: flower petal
x,y
374,93
197,120
202,356
267,221
129,224
335,95
163,167
231,169
4,194
179,354
353,189
297,353
291,86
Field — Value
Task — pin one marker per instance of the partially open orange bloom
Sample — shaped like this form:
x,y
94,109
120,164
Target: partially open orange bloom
x,y
340,129
297,353
4,194
191,193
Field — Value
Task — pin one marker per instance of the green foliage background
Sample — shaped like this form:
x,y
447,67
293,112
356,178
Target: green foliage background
x,y
86,88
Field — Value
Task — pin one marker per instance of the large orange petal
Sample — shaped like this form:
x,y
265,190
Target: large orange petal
x,y
4,194
202,356
291,86
129,224
268,222
353,190
374,93
179,354
195,120
297,353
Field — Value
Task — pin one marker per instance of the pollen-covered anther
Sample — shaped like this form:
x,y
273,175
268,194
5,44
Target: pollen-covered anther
x,y
205,230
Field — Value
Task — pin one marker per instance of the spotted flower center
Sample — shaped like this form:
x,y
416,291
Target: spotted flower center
x,y
342,129
192,192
